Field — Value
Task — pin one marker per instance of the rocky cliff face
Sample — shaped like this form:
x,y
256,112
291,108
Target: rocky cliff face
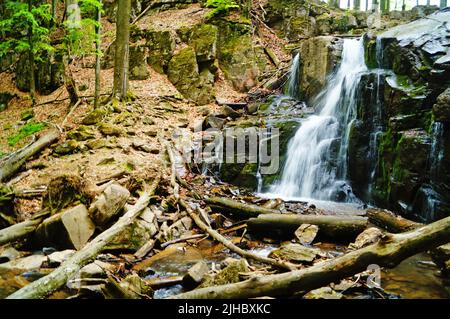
x,y
405,101
193,52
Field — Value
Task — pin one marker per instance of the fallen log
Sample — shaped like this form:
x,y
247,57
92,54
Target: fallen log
x,y
221,239
390,221
388,252
231,206
13,164
21,230
285,225
52,282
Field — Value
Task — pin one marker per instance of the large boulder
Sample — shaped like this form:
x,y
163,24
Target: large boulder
x,y
71,228
237,56
319,56
183,71
161,45
137,64
441,109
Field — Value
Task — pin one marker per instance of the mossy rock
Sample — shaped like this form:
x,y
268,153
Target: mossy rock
x,y
109,129
161,45
82,133
26,115
94,117
204,41
237,57
64,190
67,147
228,275
137,64
184,73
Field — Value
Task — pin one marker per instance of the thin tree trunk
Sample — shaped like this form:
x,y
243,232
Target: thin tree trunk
x,y
55,280
388,252
120,86
31,58
54,9
97,58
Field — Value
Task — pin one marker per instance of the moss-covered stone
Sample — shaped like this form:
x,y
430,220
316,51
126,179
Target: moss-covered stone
x,y
161,46
82,133
183,71
204,41
94,117
109,129
137,66
228,275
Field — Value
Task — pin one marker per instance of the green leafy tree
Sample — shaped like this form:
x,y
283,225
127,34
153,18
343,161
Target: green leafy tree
x,y
24,30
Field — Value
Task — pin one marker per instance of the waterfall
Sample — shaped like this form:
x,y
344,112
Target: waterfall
x,y
292,83
316,164
377,126
437,151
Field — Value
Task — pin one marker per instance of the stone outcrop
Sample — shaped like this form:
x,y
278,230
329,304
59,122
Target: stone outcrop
x,y
408,105
318,58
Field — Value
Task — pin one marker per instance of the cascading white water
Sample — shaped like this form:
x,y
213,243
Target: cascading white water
x,y
316,165
292,83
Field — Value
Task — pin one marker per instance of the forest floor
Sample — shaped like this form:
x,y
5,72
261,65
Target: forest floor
x,y
158,111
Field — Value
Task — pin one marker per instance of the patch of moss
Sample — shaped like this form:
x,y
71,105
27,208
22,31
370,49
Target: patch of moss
x,y
25,131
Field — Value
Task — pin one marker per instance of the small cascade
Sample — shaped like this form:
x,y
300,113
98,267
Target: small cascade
x,y
292,86
377,120
437,151
316,165
430,197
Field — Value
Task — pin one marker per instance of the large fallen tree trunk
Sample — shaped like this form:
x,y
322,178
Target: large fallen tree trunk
x,y
388,252
390,221
12,164
231,206
21,230
221,239
284,225
52,282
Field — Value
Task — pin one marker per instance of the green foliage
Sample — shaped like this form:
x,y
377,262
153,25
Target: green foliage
x,y
220,7
26,130
80,38
16,23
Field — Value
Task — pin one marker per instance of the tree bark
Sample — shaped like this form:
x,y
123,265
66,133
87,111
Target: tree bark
x,y
97,58
55,280
231,206
285,225
391,222
20,230
13,164
120,86
388,252
31,58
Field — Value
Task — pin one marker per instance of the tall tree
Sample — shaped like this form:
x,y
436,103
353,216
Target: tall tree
x,y
443,4
24,31
97,56
31,56
357,5
120,86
